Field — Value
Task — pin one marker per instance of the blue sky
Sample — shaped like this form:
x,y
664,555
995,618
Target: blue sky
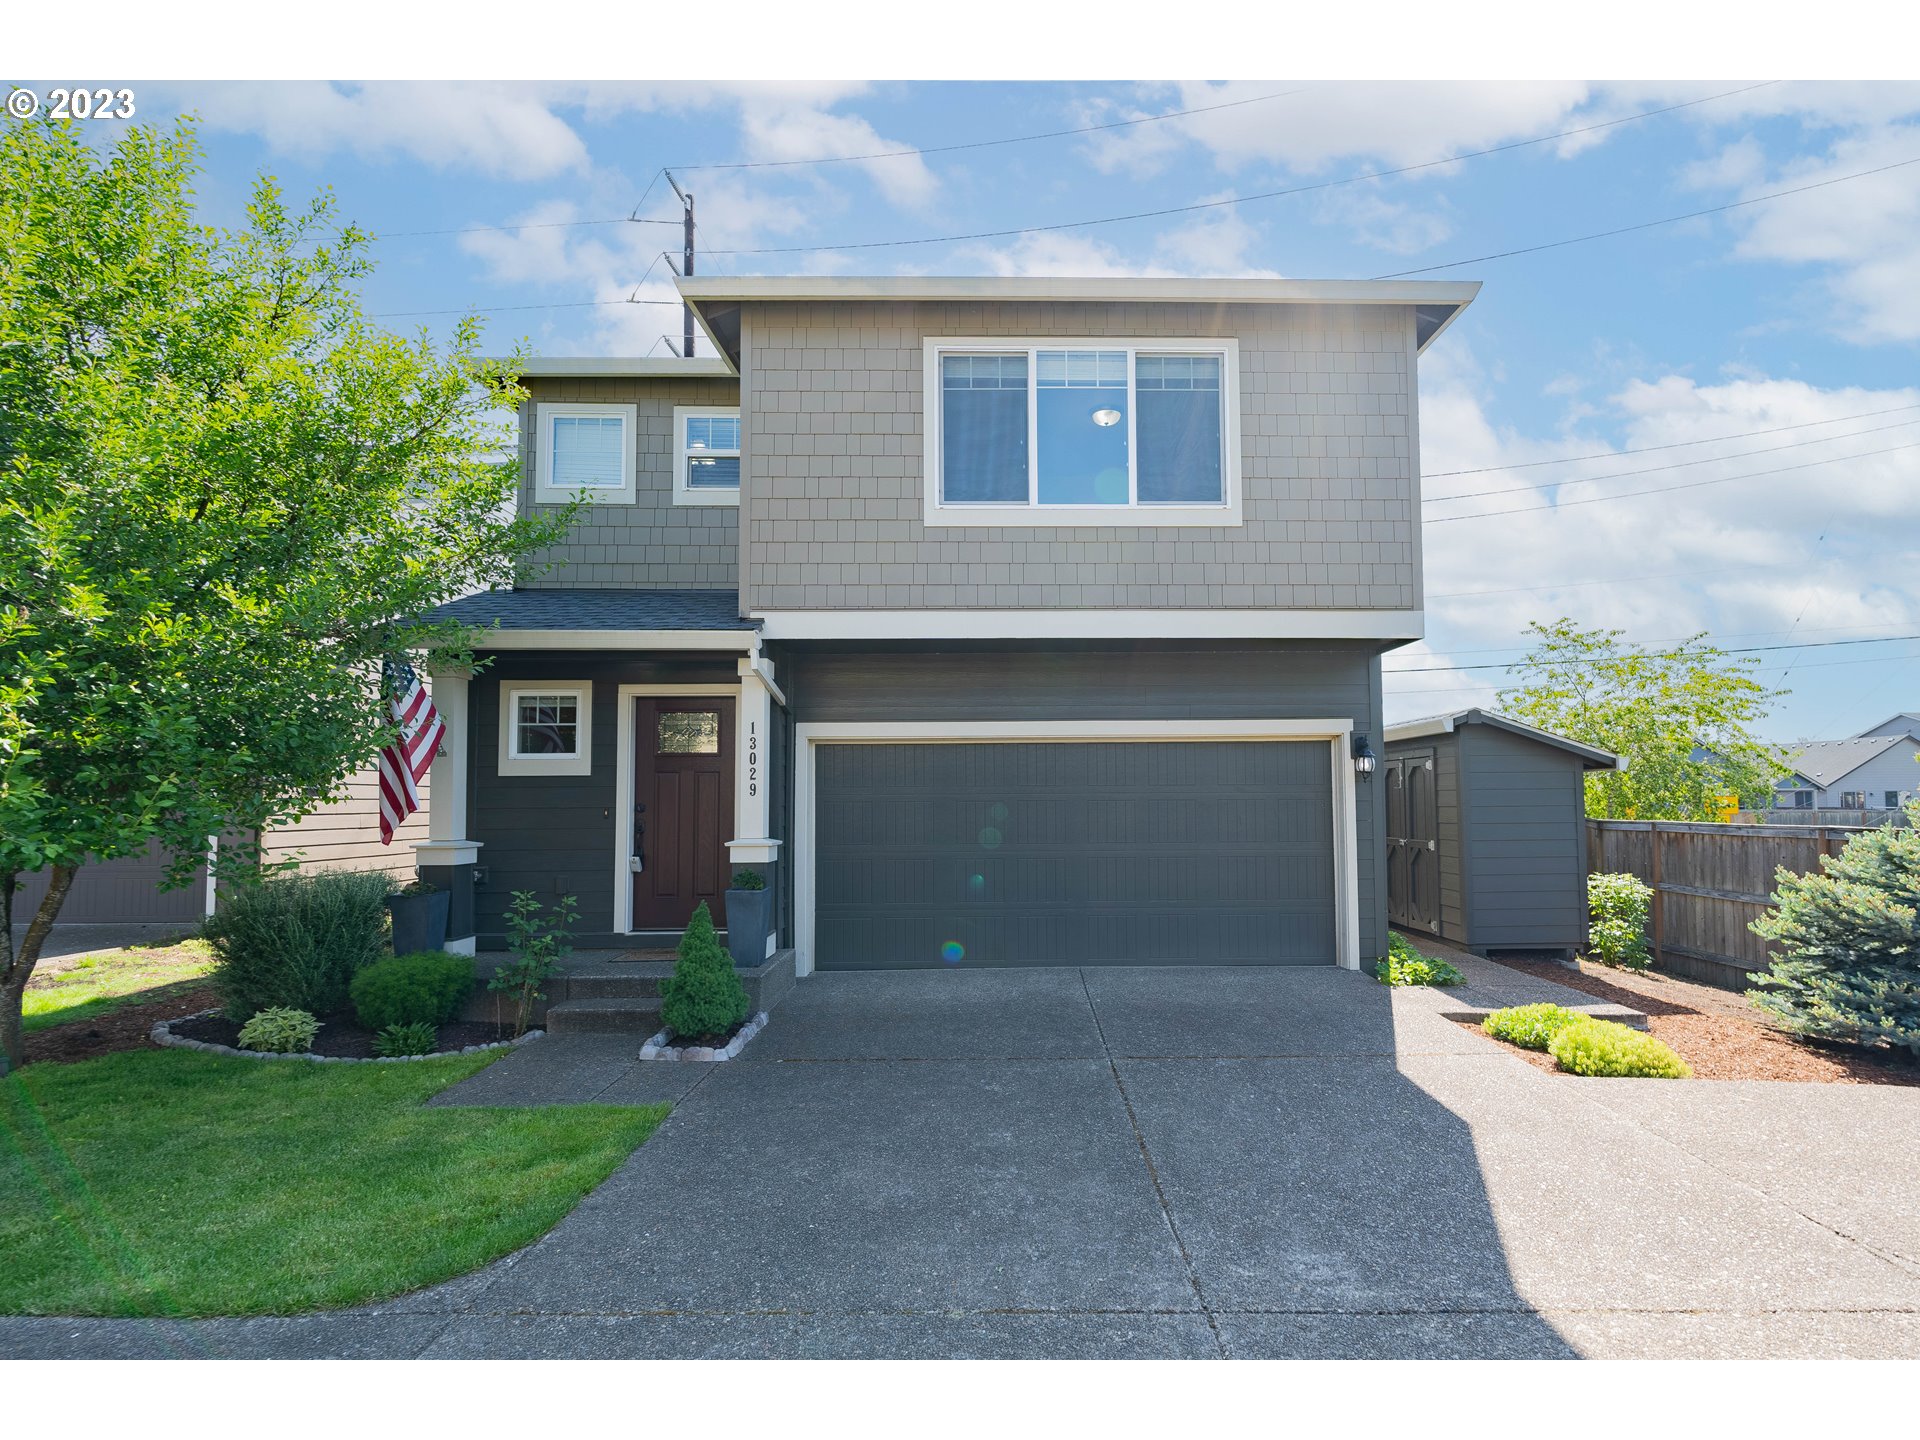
x,y
1786,316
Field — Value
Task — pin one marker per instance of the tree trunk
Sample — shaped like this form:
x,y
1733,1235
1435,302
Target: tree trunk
x,y
17,962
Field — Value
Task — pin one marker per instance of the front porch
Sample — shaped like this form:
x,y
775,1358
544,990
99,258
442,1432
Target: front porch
x,y
616,991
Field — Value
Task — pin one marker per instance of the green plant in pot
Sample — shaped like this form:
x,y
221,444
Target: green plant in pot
x,y
419,914
749,918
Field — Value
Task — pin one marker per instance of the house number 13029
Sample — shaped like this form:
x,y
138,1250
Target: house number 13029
x,y
753,757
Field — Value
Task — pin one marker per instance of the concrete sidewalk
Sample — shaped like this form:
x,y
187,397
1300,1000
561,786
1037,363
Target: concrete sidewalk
x,y
1134,1162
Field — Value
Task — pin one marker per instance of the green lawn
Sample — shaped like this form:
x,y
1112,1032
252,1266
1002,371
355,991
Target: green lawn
x,y
90,986
174,1183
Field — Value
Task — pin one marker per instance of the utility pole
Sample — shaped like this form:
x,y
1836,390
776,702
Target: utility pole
x,y
686,261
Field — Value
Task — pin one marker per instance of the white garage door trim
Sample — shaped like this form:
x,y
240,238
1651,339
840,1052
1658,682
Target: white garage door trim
x,y
1337,734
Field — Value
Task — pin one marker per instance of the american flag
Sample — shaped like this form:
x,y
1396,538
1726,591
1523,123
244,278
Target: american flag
x,y
404,764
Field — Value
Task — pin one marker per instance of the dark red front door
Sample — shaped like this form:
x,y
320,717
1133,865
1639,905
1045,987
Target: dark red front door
x,y
683,817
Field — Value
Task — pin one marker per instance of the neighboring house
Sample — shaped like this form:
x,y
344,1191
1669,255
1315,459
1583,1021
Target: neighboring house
x,y
1905,723
997,621
344,835
1875,771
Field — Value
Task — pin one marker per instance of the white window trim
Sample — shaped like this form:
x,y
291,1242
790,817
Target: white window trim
x,y
514,763
545,492
684,494
1337,733
936,512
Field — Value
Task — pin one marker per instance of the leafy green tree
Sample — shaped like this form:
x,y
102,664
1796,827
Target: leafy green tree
x,y
223,493
1680,715
1848,966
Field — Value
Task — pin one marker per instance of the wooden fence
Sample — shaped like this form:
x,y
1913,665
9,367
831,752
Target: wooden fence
x,y
1709,882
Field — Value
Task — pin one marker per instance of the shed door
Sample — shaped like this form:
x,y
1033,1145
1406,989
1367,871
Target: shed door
x,y
1120,853
1413,860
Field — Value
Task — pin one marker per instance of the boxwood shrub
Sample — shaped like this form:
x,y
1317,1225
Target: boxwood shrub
x,y
425,988
296,941
1531,1027
1600,1047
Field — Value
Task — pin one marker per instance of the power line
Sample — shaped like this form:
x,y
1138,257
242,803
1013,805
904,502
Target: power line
x,y
1669,489
1649,224
1676,465
1813,665
1675,445
1262,195
499,309
528,225
987,144
1644,655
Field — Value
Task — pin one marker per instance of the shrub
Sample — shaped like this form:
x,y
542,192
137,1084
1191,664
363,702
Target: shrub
x,y
1848,966
296,941
1600,1047
749,880
426,988
1617,935
1404,965
417,1038
279,1031
704,996
540,945
1532,1027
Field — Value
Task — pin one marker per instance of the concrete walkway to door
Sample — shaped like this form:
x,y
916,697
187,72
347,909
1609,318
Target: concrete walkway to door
x,y
1136,1162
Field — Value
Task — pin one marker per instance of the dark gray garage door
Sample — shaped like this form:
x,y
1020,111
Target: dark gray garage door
x,y
1195,853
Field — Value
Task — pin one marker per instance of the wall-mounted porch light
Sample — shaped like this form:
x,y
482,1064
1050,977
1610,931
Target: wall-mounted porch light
x,y
1363,757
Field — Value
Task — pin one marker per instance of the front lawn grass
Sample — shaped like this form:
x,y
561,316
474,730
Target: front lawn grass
x,y
159,1183
86,988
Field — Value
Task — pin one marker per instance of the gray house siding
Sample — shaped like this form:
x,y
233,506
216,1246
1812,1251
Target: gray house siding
x,y
1446,804
652,543
1243,680
554,834
1523,819
833,467
1898,725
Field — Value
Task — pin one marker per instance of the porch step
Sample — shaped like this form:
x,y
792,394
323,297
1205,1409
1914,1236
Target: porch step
x,y
629,982
632,1015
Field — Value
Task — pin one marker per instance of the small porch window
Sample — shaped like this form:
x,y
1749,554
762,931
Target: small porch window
x,y
546,728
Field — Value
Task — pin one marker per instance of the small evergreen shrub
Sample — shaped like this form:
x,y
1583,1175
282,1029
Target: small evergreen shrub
x,y
704,996
426,988
417,1038
1532,1027
749,880
1617,933
297,941
1848,964
279,1031
1600,1047
1404,965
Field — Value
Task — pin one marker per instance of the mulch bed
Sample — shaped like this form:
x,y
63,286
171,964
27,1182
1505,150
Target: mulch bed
x,y
345,1036
1717,1032
126,1028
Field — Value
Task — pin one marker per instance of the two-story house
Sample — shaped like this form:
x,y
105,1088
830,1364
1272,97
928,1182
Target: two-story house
x,y
998,622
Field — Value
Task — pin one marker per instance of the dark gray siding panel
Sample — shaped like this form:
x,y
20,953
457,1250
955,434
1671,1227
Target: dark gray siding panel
x,y
1236,681
553,834
1074,854
1524,814
1446,789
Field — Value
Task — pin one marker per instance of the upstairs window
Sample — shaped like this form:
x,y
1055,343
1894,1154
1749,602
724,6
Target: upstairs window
x,y
706,459
1082,433
584,450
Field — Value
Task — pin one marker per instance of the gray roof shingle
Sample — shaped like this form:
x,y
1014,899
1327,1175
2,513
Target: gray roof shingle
x,y
598,610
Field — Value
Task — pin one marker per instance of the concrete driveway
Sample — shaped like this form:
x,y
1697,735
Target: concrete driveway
x,y
1235,1162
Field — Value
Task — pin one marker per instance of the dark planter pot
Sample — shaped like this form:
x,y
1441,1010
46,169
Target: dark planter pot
x,y
419,921
749,922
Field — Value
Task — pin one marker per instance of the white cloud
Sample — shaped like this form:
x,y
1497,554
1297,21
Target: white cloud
x,y
1215,242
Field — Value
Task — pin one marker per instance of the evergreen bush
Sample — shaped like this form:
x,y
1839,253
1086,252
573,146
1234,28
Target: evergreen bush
x,y
1848,966
1601,1047
297,941
703,997
1617,934
425,988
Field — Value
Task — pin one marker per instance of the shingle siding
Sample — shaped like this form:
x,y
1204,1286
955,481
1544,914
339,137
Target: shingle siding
x,y
651,543
833,466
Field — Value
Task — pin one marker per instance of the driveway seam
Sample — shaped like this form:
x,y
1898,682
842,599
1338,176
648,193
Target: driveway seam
x,y
1153,1172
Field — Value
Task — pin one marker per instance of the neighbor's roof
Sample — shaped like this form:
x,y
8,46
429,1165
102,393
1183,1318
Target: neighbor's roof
x,y
598,610
716,299
1593,757
1827,762
1913,715
614,367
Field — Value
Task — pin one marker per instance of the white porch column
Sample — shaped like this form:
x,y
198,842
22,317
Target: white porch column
x,y
751,789
446,857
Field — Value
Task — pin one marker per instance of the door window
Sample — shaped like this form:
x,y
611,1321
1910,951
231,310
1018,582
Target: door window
x,y
689,732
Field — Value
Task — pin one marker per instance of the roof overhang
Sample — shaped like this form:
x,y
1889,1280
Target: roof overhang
x,y
716,299
1591,756
562,367
741,641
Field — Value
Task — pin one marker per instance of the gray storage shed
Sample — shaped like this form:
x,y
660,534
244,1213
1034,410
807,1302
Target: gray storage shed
x,y
1486,832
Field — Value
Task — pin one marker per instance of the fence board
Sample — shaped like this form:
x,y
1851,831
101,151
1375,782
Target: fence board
x,y
1710,882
